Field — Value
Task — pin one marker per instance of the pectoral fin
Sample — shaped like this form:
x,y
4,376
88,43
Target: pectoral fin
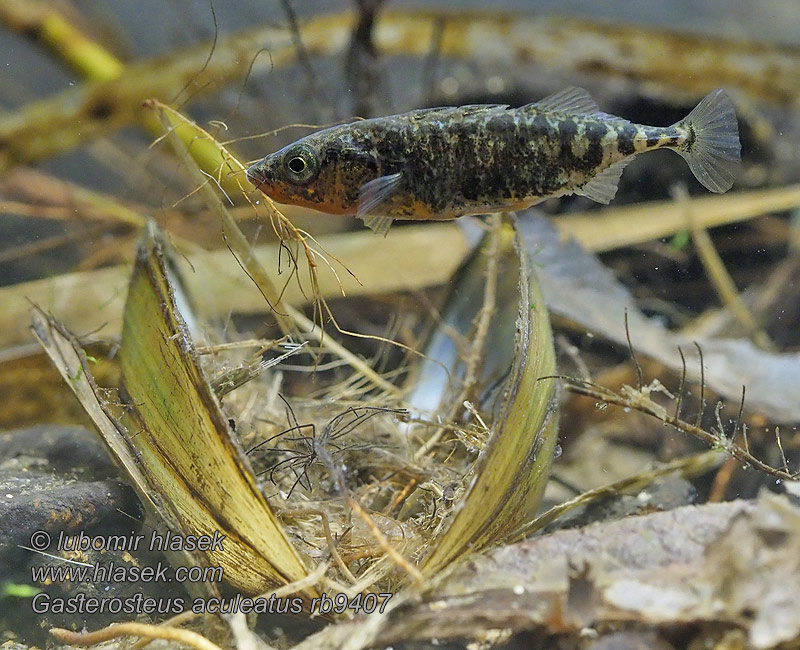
x,y
372,197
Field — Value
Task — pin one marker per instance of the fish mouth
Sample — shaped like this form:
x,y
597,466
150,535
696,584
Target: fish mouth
x,y
256,175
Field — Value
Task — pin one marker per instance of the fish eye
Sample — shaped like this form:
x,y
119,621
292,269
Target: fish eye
x,y
301,164
296,165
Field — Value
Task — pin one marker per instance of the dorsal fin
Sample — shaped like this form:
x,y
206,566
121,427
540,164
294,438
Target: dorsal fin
x,y
571,100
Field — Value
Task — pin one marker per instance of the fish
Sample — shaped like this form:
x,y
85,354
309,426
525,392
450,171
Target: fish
x,y
443,163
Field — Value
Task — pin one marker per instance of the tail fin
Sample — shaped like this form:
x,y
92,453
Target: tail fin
x,y
713,149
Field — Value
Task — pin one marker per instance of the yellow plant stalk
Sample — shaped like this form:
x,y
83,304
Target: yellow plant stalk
x,y
97,64
611,228
65,40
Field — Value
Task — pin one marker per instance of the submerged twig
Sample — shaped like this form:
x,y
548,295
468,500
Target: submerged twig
x,y
52,30
700,413
642,403
232,379
721,480
639,376
682,385
178,635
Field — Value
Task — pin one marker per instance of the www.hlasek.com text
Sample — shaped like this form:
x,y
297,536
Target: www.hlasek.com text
x,y
111,572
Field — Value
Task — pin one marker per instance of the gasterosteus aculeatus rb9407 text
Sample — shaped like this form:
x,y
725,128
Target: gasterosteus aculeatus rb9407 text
x,y
443,163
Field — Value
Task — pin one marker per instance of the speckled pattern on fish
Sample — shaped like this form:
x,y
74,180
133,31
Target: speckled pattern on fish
x,y
442,163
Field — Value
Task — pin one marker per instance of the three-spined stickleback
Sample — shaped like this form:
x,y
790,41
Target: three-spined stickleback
x,y
443,163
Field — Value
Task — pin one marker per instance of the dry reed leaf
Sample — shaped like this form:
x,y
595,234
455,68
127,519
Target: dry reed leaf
x,y
408,259
610,228
419,256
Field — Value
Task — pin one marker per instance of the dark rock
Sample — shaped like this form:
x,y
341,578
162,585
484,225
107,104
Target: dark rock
x,y
31,501
66,449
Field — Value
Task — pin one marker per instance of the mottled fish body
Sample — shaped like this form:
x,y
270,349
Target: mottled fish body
x,y
443,163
